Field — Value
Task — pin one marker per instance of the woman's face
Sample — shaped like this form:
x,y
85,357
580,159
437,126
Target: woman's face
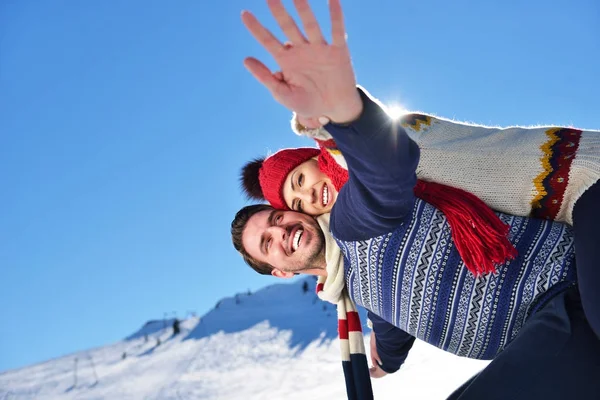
x,y
306,189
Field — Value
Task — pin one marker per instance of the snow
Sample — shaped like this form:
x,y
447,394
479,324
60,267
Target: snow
x,y
278,343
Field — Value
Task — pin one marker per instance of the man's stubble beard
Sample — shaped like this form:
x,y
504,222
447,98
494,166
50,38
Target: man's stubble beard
x,y
317,259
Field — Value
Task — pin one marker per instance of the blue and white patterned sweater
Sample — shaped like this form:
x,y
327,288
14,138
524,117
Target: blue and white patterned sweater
x,y
414,278
402,266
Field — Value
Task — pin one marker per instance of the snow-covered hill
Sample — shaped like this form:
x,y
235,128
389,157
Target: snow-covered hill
x,y
278,343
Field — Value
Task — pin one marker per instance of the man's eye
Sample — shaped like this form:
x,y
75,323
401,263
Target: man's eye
x,y
278,219
269,243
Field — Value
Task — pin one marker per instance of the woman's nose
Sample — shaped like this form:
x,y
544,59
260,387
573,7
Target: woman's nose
x,y
307,195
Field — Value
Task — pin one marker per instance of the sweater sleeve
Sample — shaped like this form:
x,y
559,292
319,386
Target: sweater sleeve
x,y
382,162
393,343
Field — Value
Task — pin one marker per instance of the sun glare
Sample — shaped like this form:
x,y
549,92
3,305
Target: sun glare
x,y
395,111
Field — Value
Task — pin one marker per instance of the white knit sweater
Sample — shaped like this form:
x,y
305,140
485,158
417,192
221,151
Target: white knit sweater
x,y
539,172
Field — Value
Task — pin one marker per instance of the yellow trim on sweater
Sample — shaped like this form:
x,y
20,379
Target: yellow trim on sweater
x,y
418,122
546,167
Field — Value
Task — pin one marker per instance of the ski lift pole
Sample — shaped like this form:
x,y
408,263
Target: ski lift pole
x,y
75,373
93,367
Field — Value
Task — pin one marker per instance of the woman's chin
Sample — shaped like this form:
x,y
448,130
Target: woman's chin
x,y
327,209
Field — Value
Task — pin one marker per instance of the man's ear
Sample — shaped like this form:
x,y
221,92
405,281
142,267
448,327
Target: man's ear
x,y
281,274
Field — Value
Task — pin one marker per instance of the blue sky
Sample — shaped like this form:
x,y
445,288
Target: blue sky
x,y
123,126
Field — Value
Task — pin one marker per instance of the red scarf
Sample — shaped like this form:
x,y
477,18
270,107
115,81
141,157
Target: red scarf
x,y
480,237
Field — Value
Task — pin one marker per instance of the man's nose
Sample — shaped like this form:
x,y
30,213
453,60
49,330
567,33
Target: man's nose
x,y
278,233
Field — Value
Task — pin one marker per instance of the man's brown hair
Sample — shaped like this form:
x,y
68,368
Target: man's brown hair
x,y
237,228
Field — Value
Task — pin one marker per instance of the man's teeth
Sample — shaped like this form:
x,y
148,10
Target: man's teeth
x,y
296,241
325,195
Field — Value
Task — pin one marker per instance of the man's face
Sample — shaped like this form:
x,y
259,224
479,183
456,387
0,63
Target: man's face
x,y
289,241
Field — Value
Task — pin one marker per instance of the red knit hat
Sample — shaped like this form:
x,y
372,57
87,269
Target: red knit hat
x,y
270,174
277,167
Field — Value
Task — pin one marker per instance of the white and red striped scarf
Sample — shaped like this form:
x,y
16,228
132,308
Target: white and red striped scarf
x,y
332,288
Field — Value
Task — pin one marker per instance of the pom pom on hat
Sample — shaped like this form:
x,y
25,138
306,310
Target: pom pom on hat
x,y
249,179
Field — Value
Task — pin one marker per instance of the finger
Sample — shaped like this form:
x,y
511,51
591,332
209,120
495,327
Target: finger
x,y
338,30
373,361
311,26
308,122
261,34
376,372
262,74
375,356
286,22
372,372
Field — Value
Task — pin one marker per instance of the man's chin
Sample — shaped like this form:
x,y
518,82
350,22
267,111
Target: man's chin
x,y
314,246
317,258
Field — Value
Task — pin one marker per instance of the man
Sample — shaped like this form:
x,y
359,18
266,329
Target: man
x,y
397,258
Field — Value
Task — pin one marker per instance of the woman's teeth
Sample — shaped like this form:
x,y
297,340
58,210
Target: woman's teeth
x,y
325,196
296,241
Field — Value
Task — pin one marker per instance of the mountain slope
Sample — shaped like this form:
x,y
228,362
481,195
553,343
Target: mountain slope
x,y
278,343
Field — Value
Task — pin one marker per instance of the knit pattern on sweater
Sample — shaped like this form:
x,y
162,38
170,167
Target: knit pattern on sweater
x,y
539,172
413,277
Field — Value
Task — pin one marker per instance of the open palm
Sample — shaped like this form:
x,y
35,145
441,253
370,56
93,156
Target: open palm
x,y
316,78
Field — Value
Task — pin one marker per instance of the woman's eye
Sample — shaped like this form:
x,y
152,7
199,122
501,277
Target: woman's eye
x,y
299,205
300,179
